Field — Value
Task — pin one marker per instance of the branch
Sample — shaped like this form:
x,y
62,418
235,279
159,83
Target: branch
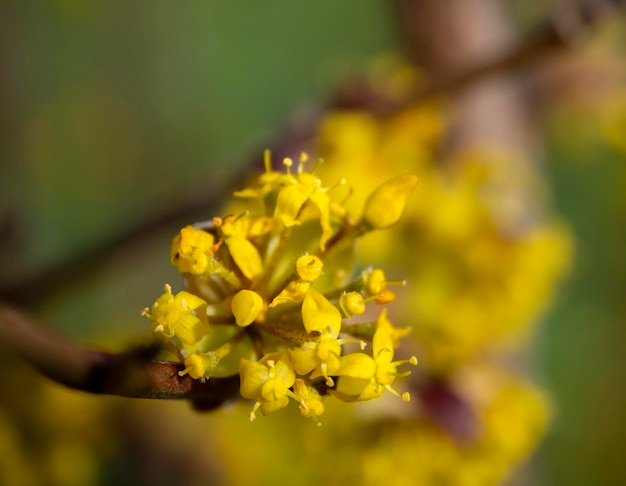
x,y
131,374
567,28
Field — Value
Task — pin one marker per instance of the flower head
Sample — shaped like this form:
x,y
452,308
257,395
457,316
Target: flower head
x,y
276,287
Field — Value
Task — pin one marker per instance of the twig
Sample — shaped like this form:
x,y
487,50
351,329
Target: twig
x,y
130,374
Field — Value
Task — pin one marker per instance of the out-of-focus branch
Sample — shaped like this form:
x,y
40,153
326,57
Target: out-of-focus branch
x,y
567,27
130,374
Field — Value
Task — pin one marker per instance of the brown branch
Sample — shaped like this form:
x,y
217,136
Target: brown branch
x,y
564,30
131,374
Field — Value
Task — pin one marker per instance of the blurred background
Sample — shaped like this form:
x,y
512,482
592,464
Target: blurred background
x,y
121,122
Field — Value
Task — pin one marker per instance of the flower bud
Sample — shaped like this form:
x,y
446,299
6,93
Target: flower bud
x,y
384,206
246,307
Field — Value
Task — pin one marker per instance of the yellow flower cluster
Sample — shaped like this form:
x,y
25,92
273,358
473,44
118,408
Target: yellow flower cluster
x,y
267,295
482,265
509,417
484,256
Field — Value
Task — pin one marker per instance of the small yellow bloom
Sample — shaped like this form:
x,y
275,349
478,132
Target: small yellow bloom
x,y
322,357
192,250
179,316
366,378
201,366
310,401
267,381
291,200
352,303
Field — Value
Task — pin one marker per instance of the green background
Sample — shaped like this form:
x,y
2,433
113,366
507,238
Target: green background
x,y
113,112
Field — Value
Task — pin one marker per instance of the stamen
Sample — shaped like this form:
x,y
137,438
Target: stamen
x,y
242,215
392,390
303,158
287,162
185,371
252,415
317,165
267,160
340,182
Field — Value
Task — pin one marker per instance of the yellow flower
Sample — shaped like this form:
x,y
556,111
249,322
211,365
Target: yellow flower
x,y
322,357
364,377
310,401
192,250
352,303
267,381
179,316
294,192
201,366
